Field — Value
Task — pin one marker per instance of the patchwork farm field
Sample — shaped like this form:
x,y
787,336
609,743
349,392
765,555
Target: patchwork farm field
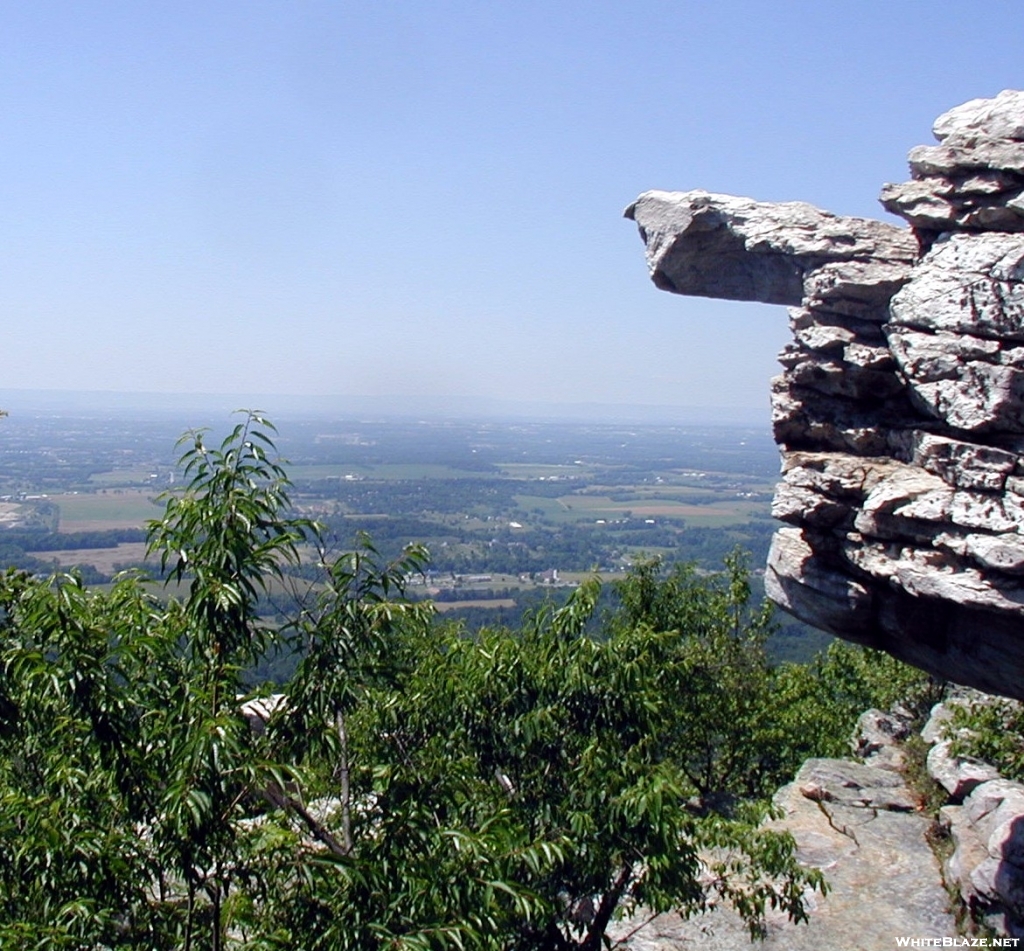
x,y
593,508
106,509
105,560
516,502
390,472
513,512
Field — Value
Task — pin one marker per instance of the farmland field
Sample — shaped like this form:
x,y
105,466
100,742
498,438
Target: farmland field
x,y
502,505
140,475
513,498
591,508
555,473
105,560
106,509
11,513
389,472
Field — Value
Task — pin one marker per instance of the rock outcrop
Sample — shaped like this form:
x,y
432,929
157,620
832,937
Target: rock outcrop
x,y
860,823
900,409
857,822
984,819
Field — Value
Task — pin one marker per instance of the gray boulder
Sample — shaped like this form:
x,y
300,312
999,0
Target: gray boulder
x,y
974,179
711,245
987,864
878,738
958,775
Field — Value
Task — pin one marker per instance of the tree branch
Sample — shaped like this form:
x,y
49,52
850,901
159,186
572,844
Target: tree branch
x,y
609,902
277,797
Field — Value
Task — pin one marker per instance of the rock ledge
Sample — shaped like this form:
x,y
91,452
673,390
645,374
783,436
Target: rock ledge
x,y
900,408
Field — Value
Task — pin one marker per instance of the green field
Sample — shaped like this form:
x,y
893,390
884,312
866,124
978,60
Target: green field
x,y
591,508
108,508
529,470
105,560
123,477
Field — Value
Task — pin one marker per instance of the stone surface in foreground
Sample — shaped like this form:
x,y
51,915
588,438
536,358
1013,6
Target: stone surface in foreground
x,y
857,824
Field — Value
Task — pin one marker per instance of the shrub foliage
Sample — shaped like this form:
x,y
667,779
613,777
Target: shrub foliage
x,y
412,787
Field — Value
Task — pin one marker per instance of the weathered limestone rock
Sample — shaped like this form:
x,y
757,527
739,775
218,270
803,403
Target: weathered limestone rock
x,y
958,775
987,864
955,330
877,739
800,580
721,246
857,824
975,178
986,867
900,408
935,727
998,118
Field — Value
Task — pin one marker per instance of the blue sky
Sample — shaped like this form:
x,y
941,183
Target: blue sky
x,y
424,199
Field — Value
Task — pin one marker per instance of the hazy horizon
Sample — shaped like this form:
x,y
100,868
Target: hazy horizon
x,y
290,405
424,200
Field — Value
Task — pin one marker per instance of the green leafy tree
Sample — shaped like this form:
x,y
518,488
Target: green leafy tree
x,y
74,783
821,701
717,675
412,787
507,791
228,535
129,771
745,725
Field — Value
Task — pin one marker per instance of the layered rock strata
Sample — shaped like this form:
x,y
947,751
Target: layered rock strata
x,y
900,408
984,819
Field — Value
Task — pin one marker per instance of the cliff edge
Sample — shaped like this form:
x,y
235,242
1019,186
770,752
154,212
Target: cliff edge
x,y
900,408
